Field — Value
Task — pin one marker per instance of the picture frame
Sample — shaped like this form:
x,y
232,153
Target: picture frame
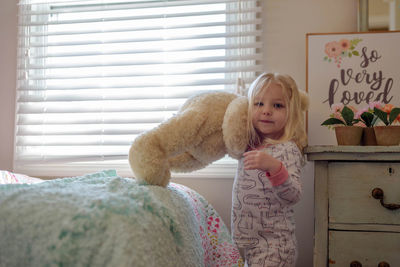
x,y
354,69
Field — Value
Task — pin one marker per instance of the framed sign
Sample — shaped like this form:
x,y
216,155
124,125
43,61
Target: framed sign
x,y
354,69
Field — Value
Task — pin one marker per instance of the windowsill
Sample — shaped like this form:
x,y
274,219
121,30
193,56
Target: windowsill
x,y
225,169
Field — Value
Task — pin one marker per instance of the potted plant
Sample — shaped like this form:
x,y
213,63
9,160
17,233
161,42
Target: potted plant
x,y
344,122
369,119
388,134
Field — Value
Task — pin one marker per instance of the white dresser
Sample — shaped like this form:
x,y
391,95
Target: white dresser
x,y
357,205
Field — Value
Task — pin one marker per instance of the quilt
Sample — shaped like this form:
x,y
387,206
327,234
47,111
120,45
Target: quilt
x,y
102,219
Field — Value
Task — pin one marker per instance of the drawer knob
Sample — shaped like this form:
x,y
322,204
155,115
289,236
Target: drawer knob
x,y
377,193
383,264
355,264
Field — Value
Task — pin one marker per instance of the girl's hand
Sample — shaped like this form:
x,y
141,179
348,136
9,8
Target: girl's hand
x,y
262,161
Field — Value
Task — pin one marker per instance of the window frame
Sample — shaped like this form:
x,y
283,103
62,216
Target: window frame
x,y
224,168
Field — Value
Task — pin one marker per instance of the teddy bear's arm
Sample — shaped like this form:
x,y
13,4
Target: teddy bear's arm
x,y
150,152
185,162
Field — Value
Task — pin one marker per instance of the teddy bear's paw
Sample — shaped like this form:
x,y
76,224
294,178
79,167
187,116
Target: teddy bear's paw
x,y
148,162
161,179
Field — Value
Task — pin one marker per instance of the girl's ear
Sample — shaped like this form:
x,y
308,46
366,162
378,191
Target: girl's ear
x,y
304,101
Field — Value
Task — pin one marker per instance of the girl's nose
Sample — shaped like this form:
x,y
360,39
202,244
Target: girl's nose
x,y
267,111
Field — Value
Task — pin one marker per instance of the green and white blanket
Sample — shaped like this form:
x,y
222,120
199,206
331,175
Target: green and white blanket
x,y
102,219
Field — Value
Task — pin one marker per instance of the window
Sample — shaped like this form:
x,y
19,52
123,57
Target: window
x,y
94,74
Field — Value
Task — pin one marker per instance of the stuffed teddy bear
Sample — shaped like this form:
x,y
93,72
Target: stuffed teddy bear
x,y
207,127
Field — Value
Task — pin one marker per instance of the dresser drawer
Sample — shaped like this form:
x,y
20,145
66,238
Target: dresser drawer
x,y
350,186
368,248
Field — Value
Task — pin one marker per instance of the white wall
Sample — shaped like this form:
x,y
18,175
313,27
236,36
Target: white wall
x,y
285,25
8,55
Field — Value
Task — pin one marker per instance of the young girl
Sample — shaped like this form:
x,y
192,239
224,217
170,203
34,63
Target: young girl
x,y
267,180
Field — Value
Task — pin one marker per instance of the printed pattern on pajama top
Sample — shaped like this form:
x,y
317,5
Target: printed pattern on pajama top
x,y
262,214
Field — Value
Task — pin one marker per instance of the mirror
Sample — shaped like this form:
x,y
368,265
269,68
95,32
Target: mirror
x,y
382,15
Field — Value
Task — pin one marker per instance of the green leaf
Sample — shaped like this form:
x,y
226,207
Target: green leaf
x,y
367,118
349,54
355,41
332,121
393,115
348,116
374,120
381,115
355,53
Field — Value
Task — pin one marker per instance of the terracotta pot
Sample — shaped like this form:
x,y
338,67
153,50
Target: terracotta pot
x,y
387,135
368,137
348,135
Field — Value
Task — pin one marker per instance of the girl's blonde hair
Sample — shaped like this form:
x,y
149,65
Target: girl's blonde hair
x,y
296,102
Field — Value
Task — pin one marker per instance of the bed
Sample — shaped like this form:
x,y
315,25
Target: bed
x,y
102,219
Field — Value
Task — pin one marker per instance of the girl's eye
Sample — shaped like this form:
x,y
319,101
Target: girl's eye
x,y
278,105
259,104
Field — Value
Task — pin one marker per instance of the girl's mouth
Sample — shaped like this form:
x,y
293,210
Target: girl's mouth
x,y
266,121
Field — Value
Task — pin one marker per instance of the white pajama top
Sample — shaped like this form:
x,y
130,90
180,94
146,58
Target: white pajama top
x,y
262,209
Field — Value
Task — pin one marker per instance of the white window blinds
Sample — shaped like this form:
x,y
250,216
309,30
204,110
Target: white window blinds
x,y
94,74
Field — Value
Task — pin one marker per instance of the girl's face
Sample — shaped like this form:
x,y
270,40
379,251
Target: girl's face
x,y
270,112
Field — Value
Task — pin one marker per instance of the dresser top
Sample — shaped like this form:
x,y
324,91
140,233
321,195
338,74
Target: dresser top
x,y
353,153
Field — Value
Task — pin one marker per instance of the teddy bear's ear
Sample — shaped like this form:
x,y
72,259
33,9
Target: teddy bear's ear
x,y
304,101
234,127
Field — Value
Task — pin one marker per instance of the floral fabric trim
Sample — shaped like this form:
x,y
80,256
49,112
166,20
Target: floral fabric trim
x,y
219,248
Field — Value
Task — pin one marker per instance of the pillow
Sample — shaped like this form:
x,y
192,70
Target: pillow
x,y
7,177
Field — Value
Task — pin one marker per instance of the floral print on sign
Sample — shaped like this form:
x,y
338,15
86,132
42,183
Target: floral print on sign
x,y
336,50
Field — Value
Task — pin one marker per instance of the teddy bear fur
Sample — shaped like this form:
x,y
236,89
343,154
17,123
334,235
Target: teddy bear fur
x,y
205,129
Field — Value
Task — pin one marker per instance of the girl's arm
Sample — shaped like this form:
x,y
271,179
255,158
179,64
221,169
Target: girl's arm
x,y
257,159
282,168
288,190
